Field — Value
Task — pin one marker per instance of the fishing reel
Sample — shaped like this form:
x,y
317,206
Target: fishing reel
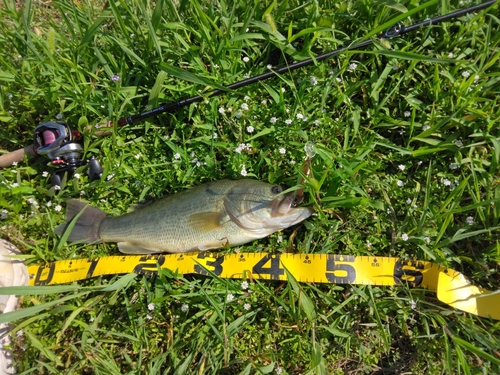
x,y
63,147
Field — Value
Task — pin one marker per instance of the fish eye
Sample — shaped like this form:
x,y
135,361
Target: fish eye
x,y
276,189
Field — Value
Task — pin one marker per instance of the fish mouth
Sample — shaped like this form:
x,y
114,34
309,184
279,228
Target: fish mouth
x,y
281,207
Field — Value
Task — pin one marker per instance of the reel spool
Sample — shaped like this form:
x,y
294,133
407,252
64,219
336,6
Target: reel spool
x,y
63,147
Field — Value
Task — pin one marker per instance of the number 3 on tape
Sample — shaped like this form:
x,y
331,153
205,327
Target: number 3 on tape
x,y
206,266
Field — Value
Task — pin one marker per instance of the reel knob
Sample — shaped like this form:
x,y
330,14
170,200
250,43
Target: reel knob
x,y
94,169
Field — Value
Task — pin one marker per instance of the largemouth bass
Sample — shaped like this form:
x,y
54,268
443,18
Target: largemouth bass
x,y
206,217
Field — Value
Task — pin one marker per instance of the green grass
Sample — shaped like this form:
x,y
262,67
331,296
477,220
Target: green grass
x,y
407,142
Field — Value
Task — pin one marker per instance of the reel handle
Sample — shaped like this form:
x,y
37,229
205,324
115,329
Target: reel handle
x,y
6,160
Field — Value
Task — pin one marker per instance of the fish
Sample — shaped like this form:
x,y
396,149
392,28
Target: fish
x,y
210,216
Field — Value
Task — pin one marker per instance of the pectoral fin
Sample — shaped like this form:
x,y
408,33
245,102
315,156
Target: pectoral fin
x,y
131,248
205,221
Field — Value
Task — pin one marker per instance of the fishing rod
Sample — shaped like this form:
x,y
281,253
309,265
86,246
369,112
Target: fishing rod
x,y
63,146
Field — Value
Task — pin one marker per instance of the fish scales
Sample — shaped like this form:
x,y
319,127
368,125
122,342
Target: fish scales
x,y
210,216
170,222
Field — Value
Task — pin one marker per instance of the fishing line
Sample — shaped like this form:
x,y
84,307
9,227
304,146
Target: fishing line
x,y
451,287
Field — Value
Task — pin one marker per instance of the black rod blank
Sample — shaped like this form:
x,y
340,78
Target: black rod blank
x,y
393,32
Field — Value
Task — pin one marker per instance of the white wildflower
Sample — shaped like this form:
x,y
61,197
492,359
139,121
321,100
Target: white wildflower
x,y
151,306
4,215
288,121
273,120
222,110
184,307
454,166
401,167
465,74
407,114
313,81
427,239
425,127
229,298
247,306
77,175
352,67
400,183
244,106
243,171
469,220
282,150
404,237
59,116
446,182
244,285
250,129
58,208
459,143
246,59
413,304
177,156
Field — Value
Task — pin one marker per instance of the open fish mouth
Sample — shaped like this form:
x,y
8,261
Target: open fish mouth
x,y
283,206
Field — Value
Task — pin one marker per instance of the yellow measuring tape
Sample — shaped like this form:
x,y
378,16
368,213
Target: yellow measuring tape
x,y
451,286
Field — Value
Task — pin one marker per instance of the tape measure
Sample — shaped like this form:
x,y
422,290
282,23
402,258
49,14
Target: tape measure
x,y
451,286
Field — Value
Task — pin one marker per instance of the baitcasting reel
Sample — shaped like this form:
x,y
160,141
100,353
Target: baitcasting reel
x,y
63,147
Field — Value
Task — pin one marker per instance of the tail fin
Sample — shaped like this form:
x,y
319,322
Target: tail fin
x,y
86,228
